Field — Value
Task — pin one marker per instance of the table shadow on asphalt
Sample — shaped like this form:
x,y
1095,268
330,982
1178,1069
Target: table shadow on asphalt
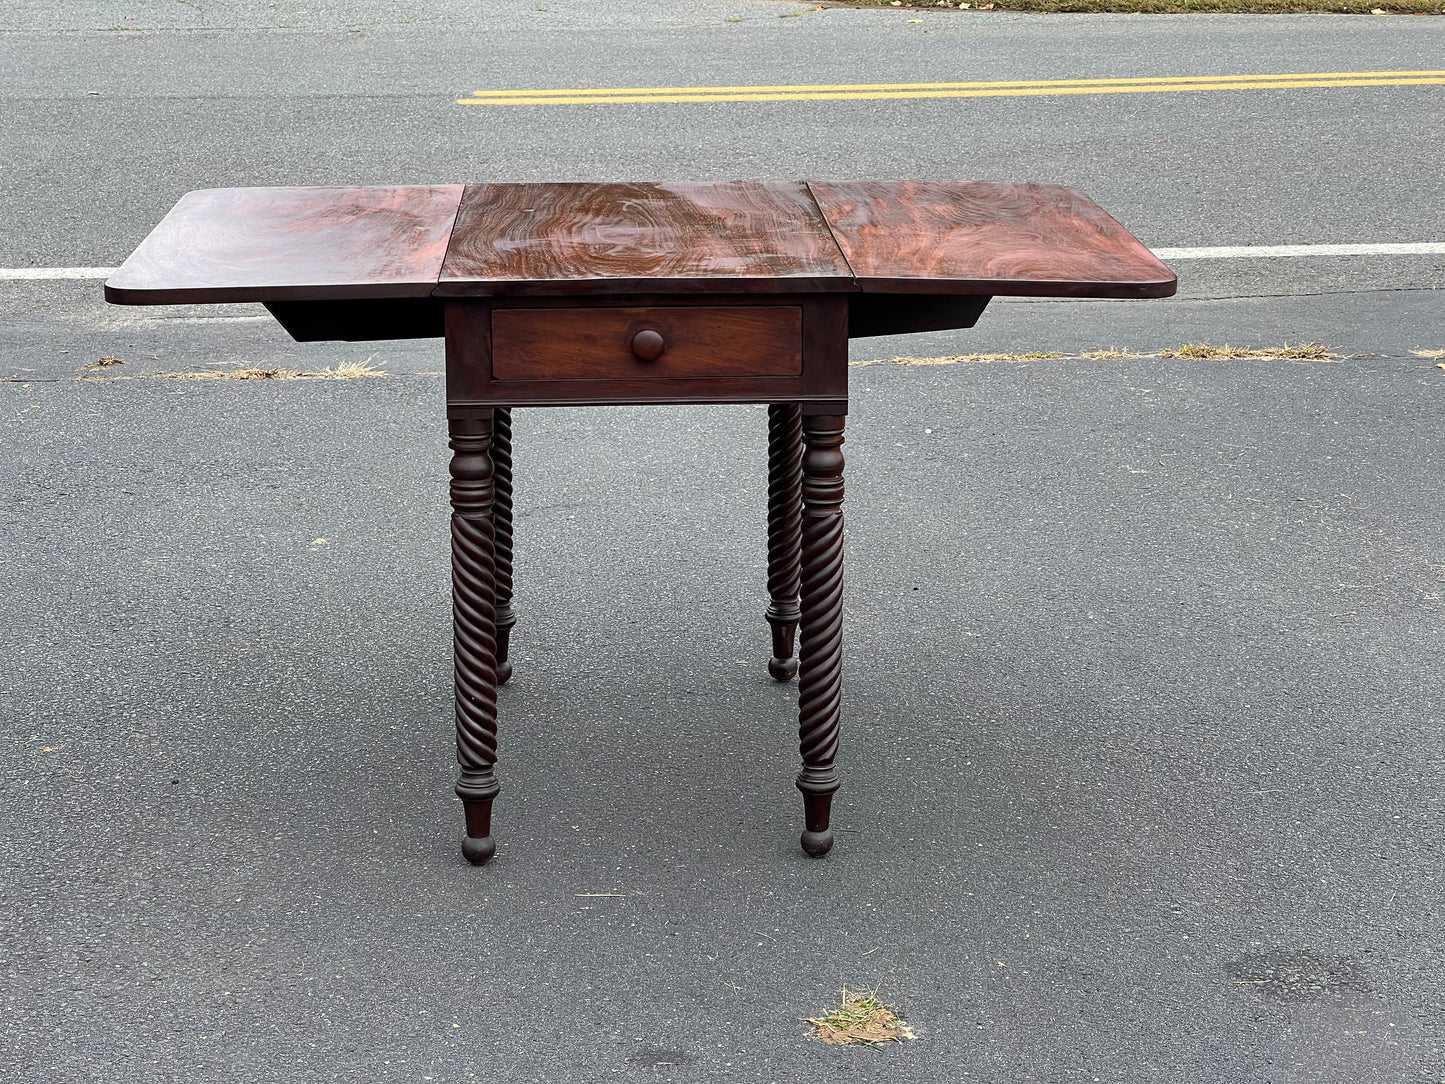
x,y
1141,742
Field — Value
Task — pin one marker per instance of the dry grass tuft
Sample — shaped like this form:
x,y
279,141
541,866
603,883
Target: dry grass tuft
x,y
234,374
955,359
1428,353
103,363
1110,355
1210,352
1174,7
860,1020
340,372
1194,351
349,372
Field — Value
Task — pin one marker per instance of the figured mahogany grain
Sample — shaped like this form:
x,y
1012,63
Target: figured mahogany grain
x,y
978,237
280,244
733,236
597,343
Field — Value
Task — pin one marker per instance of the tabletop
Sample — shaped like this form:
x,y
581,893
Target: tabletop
x,y
402,242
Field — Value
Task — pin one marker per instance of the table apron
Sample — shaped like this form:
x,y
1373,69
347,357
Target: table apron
x,y
801,356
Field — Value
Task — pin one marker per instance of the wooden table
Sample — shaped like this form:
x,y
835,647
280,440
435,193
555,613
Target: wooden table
x,y
569,294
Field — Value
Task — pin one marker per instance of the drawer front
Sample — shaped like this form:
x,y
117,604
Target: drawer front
x,y
664,342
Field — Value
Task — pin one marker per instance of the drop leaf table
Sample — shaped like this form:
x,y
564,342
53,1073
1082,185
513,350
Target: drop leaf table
x,y
569,294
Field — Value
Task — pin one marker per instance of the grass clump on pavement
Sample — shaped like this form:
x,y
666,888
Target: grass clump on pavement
x,y
1189,351
954,359
1116,354
1173,7
340,372
351,371
1210,352
861,1020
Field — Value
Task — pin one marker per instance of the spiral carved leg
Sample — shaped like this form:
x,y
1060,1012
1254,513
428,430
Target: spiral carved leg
x,y
785,532
821,676
502,518
474,628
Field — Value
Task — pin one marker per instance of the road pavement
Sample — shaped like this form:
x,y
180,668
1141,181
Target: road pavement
x,y
1142,684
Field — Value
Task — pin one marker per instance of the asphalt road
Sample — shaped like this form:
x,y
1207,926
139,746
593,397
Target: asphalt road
x,y
1143,714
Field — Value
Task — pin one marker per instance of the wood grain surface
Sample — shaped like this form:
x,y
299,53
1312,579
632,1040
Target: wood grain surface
x,y
576,239
940,238
977,237
596,343
276,244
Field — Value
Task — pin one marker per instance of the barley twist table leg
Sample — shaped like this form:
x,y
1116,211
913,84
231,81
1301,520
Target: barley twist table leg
x,y
474,628
785,508
502,517
821,674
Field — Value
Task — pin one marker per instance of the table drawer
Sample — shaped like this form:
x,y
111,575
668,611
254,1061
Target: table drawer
x,y
663,342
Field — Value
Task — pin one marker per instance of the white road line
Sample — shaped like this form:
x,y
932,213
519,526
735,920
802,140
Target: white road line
x,y
1250,252
1213,252
31,274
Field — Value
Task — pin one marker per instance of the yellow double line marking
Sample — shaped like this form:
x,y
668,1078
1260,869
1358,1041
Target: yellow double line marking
x,y
1017,89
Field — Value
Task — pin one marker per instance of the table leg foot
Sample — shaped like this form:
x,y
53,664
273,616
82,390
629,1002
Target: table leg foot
x,y
476,793
782,668
820,678
785,532
817,811
479,851
504,664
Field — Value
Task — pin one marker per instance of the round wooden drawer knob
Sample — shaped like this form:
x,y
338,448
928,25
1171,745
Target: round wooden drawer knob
x,y
648,345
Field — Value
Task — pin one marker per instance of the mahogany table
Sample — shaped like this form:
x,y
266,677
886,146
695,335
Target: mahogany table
x,y
568,294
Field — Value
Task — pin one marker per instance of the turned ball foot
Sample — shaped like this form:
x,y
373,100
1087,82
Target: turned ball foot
x,y
782,669
477,793
817,844
478,850
783,666
504,671
818,786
